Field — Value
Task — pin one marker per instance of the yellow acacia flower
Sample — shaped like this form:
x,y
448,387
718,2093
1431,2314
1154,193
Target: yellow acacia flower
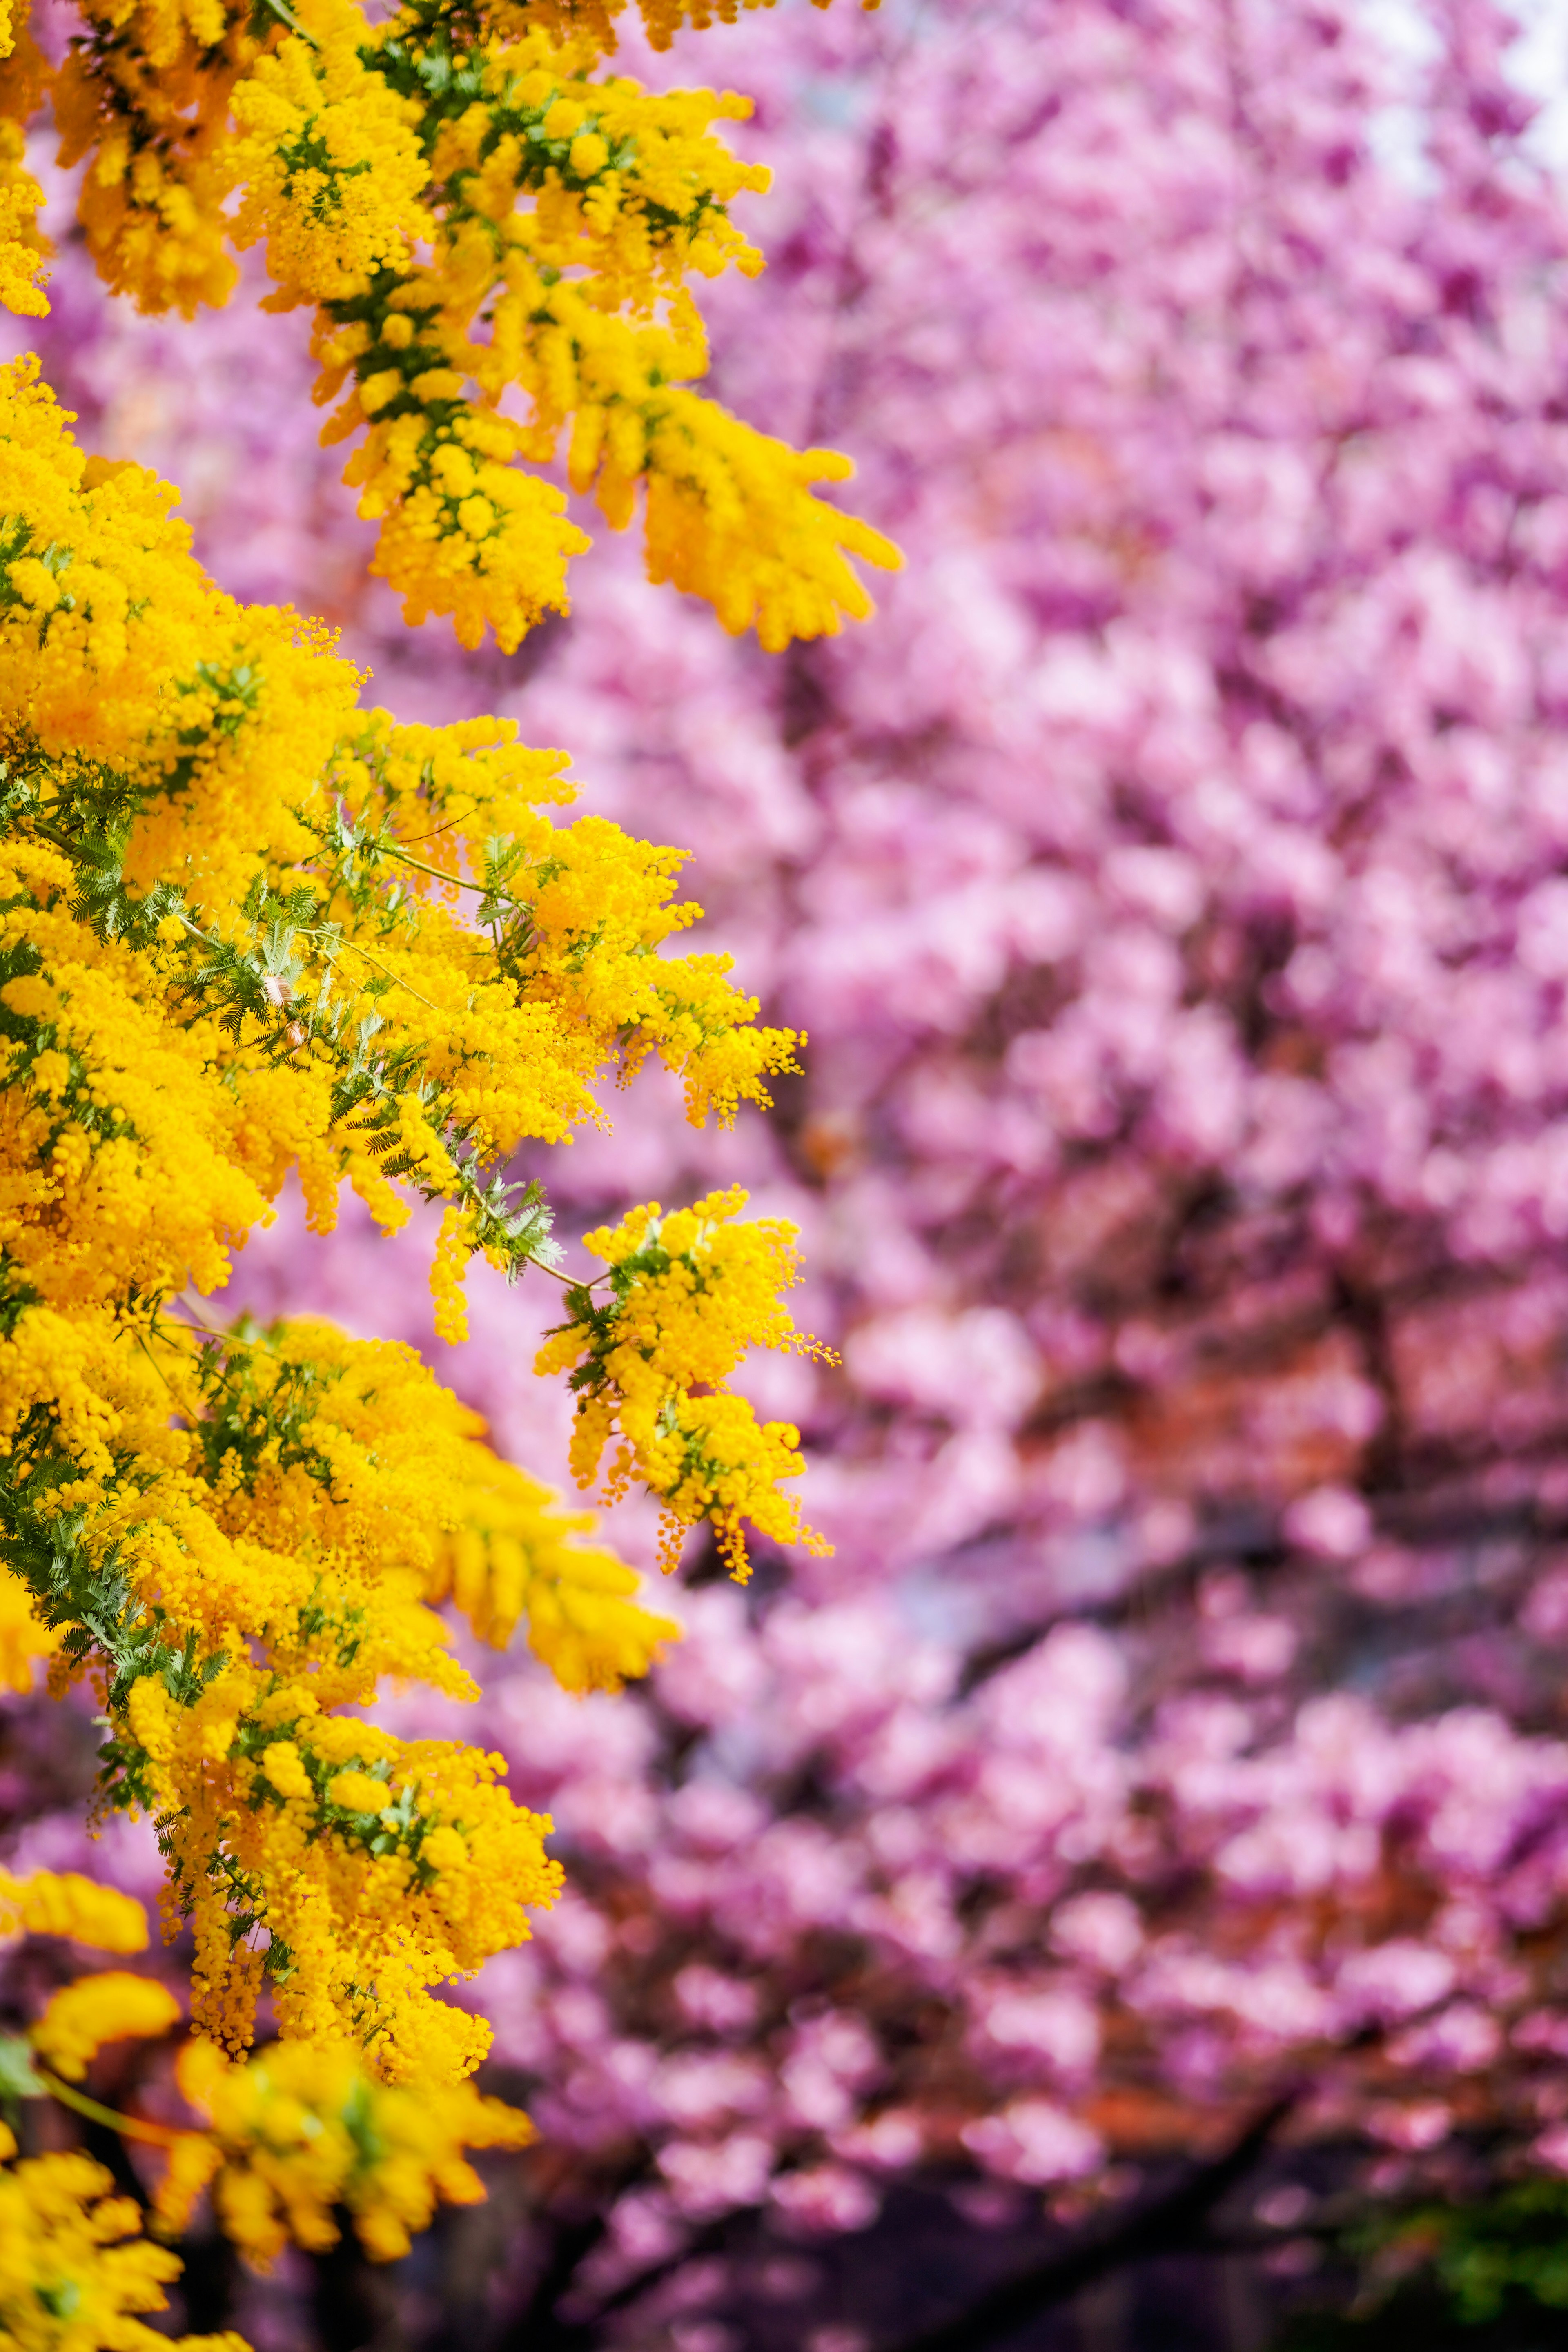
x,y
568,209
63,1902
85,2014
23,250
689,1293
731,518
145,99
296,936
517,1556
353,1870
661,19
330,158
23,1638
302,2129
74,2269
477,209
354,1791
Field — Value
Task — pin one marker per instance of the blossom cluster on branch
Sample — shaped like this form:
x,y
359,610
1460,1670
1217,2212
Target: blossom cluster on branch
x,y
252,930
561,209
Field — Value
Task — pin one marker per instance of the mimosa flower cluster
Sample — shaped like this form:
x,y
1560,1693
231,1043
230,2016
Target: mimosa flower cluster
x,y
299,2131
75,2270
280,2143
689,1295
252,930
239,1533
476,208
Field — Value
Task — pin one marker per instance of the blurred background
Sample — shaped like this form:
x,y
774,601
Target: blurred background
x,y
1120,1902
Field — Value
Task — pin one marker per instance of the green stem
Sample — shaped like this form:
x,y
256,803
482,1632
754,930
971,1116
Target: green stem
x,y
128,2127
328,957
453,881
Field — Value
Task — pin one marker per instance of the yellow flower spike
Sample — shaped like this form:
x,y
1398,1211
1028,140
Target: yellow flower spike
x,y
147,96
23,249
82,2016
192,2158
300,2130
690,1294
23,1640
333,169
565,207
50,1903
567,210
519,1557
357,1792
74,2271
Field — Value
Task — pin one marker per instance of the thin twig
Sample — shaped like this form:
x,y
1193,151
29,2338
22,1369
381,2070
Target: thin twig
x,y
437,830
396,980
454,881
569,1281
189,1323
128,2127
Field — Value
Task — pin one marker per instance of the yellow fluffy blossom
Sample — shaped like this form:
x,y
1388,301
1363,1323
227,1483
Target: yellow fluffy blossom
x,y
143,98
63,1902
74,2269
499,237
515,1557
112,2007
23,250
23,1640
247,929
302,2129
252,931
569,209
650,1364
661,19
330,158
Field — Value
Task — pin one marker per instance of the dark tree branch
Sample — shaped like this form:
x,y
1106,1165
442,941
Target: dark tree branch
x,y
711,2240
542,2327
538,2327
1158,2225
